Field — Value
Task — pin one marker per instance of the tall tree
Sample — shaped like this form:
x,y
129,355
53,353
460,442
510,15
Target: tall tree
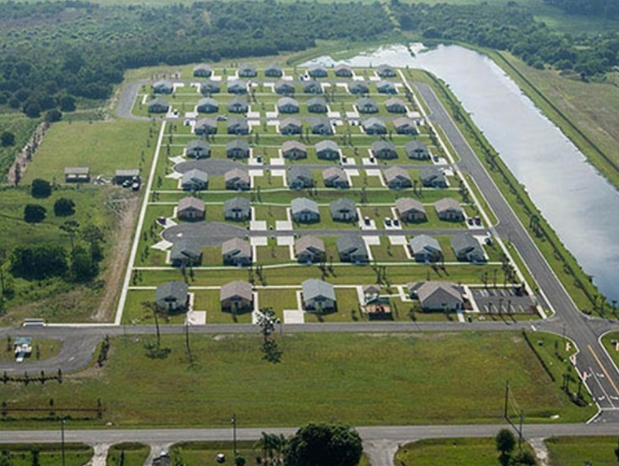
x,y
324,445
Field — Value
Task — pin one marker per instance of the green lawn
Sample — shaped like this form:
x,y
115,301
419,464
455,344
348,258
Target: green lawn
x,y
133,454
460,378
76,454
452,452
41,349
576,451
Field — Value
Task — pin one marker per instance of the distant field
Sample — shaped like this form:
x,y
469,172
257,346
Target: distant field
x,y
460,452
576,451
361,379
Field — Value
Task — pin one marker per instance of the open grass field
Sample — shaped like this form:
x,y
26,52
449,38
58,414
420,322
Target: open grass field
x,y
76,454
133,454
576,451
360,379
452,452
41,349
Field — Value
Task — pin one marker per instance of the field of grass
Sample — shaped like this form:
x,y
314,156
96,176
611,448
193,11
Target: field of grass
x,y
460,378
133,454
76,454
41,349
456,451
22,127
576,451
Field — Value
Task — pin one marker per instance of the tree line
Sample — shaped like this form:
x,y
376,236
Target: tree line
x,y
608,9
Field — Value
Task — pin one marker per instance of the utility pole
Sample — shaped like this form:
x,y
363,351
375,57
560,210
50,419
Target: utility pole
x,y
506,399
233,434
520,430
62,424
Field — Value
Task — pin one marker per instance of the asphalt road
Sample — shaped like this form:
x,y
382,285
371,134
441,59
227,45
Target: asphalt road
x,y
600,373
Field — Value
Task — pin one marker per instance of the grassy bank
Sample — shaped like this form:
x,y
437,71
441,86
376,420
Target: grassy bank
x,y
456,451
359,379
127,454
576,451
47,454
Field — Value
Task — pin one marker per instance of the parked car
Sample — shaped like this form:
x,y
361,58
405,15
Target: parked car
x,y
366,221
387,221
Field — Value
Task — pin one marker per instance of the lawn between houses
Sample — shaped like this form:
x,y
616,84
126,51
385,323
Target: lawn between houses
x,y
359,379
49,454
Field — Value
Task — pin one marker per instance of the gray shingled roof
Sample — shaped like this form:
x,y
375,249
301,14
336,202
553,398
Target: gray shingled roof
x,y
291,144
314,288
240,203
236,244
172,291
342,204
185,249
190,202
406,204
447,203
309,242
237,173
238,288
327,144
301,204
424,243
298,171
351,243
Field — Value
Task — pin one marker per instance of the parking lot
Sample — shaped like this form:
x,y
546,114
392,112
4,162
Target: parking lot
x,y
495,300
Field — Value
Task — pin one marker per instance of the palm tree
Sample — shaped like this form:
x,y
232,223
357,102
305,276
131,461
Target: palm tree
x,y
151,306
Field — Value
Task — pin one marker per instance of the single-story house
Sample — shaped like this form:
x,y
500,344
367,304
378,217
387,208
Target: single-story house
x,y
437,296
327,150
158,105
247,71
238,105
335,177
467,248
163,87
210,87
405,125
386,87
237,87
424,248
321,126
287,105
77,175
352,248
385,71
290,126
318,296
343,71
273,71
449,209
432,177
343,210
317,71
358,87
236,297
237,208
397,178
317,105
190,208
238,126
198,149
207,105
366,105
417,150
236,251
410,210
121,176
237,149
202,71
205,126
310,249
194,180
300,177
374,126
185,252
312,87
395,105
384,150
284,87
237,179
304,210
172,296
294,150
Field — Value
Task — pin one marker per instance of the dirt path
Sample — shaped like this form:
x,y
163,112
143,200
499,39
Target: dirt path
x,y
17,170
541,452
113,276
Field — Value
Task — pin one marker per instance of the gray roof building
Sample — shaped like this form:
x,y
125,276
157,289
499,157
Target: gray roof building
x,y
194,180
321,126
207,105
467,248
397,178
343,71
172,296
202,71
312,87
327,150
237,179
317,71
386,87
287,105
395,105
385,71
273,70
352,248
374,126
238,105
205,126
299,177
237,208
304,210
198,149
290,126
449,209
432,177
210,87
190,208
417,150
317,105
247,70
405,125
366,105
424,248
237,87
284,87
309,249
236,251
185,252
318,295
384,150
358,87
335,177
410,210
236,297
343,210
238,126
163,87
237,149
437,296
158,105
294,150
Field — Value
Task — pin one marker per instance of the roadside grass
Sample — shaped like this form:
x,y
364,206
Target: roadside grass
x,y
613,349
103,146
133,454
454,451
41,349
459,376
575,451
50,454
560,260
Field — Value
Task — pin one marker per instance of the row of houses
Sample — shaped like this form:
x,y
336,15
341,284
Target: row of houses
x,y
425,248
318,125
274,70
325,150
237,297
82,175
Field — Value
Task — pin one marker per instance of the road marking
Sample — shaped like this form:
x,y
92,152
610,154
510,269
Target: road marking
x,y
597,399
603,369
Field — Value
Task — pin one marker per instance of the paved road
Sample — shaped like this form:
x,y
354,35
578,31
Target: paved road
x,y
600,372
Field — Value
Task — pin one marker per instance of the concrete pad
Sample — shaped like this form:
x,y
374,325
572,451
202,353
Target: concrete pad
x,y
279,172
196,318
177,159
259,241
214,77
285,240
368,161
373,172
251,114
403,293
174,175
372,240
193,114
331,114
375,78
287,78
354,114
357,78
398,240
162,245
294,317
279,161
253,161
258,225
283,225
271,114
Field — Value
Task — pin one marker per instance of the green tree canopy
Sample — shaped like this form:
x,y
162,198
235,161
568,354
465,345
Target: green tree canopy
x,y
324,445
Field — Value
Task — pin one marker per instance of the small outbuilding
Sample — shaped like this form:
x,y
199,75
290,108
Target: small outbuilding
x,y
77,175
